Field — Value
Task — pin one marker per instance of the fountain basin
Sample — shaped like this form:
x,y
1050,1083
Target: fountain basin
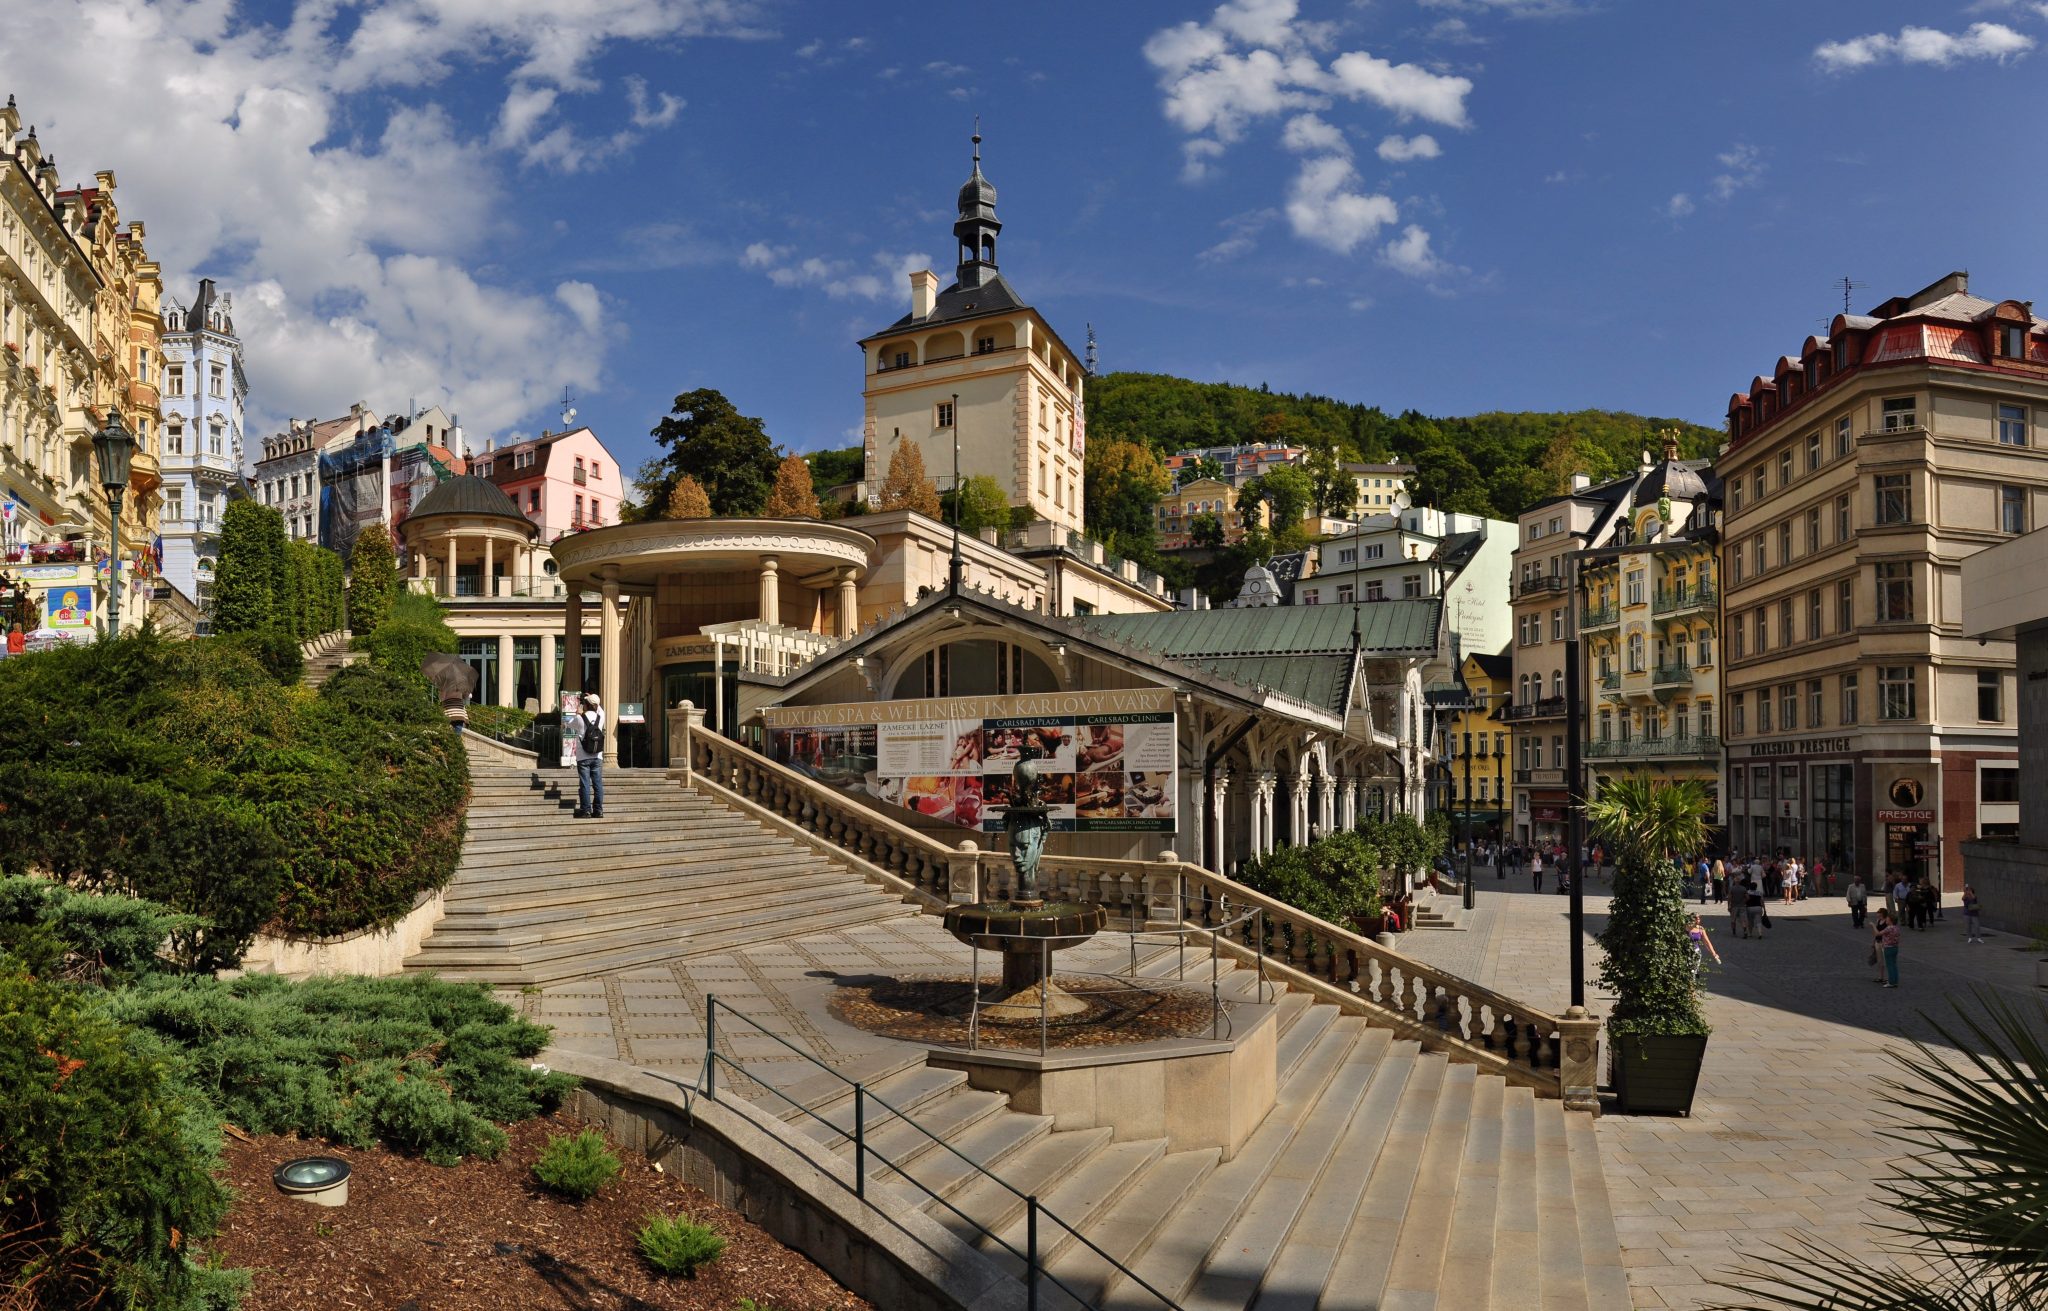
x,y
1026,933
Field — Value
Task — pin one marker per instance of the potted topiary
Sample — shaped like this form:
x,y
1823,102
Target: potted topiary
x,y
1657,1035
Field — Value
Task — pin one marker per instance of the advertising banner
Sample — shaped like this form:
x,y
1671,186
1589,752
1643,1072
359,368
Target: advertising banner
x,y
1107,758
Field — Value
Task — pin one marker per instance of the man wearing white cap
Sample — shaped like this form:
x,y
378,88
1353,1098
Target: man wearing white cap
x,y
588,726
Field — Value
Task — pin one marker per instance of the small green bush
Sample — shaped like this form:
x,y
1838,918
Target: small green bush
x,y
274,646
413,626
58,933
1334,878
577,1165
677,1245
106,1161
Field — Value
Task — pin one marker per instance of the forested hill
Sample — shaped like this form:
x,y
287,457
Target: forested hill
x,y
1495,464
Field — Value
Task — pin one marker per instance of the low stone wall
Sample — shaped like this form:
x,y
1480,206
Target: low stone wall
x,y
2011,881
897,1258
367,951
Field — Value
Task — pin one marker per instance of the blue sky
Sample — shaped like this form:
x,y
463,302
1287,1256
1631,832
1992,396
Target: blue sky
x,y
1454,205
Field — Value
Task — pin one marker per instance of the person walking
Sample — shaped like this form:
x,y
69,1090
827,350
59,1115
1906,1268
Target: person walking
x,y
455,709
1720,878
17,641
1706,873
1859,897
1973,928
1702,946
1888,943
1735,896
1536,868
588,725
1900,891
1877,928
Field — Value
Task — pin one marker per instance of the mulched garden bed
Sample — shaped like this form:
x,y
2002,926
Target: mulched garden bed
x,y
936,1010
483,1236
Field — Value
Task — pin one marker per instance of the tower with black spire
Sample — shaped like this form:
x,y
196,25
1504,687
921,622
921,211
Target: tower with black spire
x,y
974,364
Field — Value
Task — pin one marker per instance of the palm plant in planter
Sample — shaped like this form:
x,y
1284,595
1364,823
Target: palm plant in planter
x,y
1657,1035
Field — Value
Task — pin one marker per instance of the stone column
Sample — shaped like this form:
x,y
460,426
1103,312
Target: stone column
x,y
1219,807
550,686
1262,813
507,687
963,873
449,589
849,604
683,721
1298,809
608,663
771,598
419,563
1347,805
487,586
1326,804
572,641
1578,1065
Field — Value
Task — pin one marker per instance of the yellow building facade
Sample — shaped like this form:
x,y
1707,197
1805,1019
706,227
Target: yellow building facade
x,y
977,366
1479,736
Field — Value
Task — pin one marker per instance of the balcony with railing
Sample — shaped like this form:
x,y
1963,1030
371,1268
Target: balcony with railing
x,y
1539,584
1671,676
1550,707
1679,600
1610,680
1655,748
1599,616
470,587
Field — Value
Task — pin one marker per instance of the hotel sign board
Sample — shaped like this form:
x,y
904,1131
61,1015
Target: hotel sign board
x,y
1804,746
1108,759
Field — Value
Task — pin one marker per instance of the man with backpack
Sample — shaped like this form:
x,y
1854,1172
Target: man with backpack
x,y
588,726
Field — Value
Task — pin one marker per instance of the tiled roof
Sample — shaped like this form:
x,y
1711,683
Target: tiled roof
x,y
1385,627
956,303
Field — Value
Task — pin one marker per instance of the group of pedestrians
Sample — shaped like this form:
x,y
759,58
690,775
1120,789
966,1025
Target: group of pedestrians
x,y
1546,860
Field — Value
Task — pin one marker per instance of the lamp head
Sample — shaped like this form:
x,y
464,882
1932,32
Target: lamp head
x,y
115,447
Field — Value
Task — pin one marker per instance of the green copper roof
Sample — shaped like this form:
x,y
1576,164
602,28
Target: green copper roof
x,y
1320,680
1287,630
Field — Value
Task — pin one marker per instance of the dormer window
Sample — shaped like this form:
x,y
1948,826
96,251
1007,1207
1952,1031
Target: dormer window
x,y
1812,374
1842,355
2012,341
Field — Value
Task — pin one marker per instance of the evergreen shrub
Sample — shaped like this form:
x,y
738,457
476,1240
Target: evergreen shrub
x,y
1333,878
576,1165
414,626
373,580
677,1245
1649,964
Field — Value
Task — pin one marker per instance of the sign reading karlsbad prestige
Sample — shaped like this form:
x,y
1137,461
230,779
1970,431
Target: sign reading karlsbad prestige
x,y
1107,758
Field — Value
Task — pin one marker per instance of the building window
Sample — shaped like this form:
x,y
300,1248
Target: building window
x,y
1763,710
1349,555
174,380
578,519
1346,593
214,438
1812,451
1635,653
1813,611
1735,644
1845,607
984,345
1788,706
1896,686
1634,587
1894,592
1785,609
174,504
1843,440
1557,751
2012,425
1374,591
1737,725
1894,498
1784,469
1556,624
1848,699
1375,551
1557,685
1784,543
1763,630
1756,483
1756,554
1816,697
1998,785
174,438
1813,531
1900,412
1705,654
2012,509
215,380
1990,696
1735,565
945,414
1842,528
533,500
1411,585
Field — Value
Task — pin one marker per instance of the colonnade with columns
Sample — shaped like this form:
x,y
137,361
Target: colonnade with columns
x,y
608,653
1280,807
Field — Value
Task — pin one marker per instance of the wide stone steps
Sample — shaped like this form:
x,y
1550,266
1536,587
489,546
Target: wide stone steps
x,y
541,897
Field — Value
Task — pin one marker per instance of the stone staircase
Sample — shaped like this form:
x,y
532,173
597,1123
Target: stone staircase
x,y
324,655
1384,1178
541,897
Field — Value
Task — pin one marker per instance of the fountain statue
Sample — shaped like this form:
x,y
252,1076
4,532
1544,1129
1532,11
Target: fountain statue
x,y
1027,929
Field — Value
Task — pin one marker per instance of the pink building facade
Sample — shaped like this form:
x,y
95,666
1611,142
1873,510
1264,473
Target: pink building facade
x,y
563,481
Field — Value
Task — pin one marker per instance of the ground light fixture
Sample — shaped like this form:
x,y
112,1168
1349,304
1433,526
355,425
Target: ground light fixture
x,y
321,1180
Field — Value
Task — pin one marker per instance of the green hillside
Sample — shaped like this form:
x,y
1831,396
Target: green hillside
x,y
1495,464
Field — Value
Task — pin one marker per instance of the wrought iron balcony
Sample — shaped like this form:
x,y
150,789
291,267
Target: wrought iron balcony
x,y
1550,707
1671,676
1677,601
1600,616
1610,680
1541,583
1642,748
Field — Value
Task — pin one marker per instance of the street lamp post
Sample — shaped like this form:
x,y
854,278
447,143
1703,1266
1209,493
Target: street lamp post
x,y
1466,743
115,448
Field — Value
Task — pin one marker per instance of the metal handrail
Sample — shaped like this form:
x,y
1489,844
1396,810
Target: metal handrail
x,y
1033,1209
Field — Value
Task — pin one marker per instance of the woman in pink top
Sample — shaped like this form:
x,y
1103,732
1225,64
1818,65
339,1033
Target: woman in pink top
x,y
1888,941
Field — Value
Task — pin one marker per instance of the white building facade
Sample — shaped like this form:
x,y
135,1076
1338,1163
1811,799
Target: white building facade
x,y
204,393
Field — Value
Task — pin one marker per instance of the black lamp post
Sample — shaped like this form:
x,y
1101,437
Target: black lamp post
x,y
115,447
953,569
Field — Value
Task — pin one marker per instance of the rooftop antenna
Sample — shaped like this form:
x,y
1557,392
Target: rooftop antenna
x,y
568,411
1091,351
1847,288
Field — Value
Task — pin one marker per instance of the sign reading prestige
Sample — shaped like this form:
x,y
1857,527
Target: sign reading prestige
x,y
1107,758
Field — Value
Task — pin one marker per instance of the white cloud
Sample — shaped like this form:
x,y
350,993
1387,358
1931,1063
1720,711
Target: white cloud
x,y
326,153
947,72
1307,134
1513,8
1198,158
1399,150
1326,207
1411,253
1244,231
1744,168
1409,90
1679,206
1925,45
885,276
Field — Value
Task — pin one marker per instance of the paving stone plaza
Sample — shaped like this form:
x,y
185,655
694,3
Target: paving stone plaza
x,y
1785,1138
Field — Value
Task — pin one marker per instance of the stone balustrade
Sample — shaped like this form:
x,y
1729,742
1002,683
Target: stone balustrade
x,y
1555,1055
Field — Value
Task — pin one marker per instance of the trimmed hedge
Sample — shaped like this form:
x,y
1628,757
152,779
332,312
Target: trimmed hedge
x,y
373,585
184,773
414,626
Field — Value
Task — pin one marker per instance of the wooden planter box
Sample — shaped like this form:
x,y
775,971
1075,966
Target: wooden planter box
x,y
1655,1074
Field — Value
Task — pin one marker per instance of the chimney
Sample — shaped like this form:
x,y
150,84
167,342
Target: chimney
x,y
924,293
1581,481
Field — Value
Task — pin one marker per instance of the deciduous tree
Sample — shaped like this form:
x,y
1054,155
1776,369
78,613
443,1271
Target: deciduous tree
x,y
686,500
728,453
982,504
1123,482
907,487
792,497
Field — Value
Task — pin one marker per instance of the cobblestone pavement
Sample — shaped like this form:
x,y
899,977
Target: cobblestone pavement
x,y
1785,1136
